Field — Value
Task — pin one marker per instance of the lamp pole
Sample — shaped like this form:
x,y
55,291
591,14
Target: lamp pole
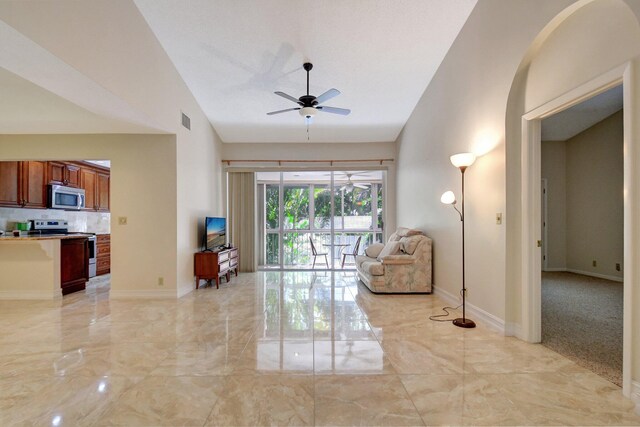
x,y
463,322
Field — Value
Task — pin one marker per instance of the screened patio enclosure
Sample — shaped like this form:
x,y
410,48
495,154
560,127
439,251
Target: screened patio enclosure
x,y
329,210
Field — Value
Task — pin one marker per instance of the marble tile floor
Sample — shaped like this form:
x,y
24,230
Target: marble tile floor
x,y
271,348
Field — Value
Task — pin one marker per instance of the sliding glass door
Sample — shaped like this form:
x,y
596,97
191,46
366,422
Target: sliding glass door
x,y
309,220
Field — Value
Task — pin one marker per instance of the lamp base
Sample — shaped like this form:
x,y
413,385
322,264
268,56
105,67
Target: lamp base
x,y
464,323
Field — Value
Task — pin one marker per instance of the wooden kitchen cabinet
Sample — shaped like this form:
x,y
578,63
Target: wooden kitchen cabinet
x,y
95,183
102,192
63,173
103,254
10,183
74,264
23,184
88,183
34,184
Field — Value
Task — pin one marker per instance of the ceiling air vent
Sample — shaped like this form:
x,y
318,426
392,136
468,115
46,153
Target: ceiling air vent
x,y
186,121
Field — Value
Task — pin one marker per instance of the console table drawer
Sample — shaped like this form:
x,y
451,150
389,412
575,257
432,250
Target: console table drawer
x,y
233,262
224,266
223,256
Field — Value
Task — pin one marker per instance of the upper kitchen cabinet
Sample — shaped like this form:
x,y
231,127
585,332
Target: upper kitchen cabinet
x,y
88,183
10,194
62,173
34,184
95,182
102,192
23,184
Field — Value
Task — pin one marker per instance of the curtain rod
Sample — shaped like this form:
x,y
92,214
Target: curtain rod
x,y
331,162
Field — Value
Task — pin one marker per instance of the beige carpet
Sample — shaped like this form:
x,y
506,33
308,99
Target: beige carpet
x,y
582,320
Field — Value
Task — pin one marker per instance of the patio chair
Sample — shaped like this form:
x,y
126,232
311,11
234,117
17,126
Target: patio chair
x,y
317,254
353,253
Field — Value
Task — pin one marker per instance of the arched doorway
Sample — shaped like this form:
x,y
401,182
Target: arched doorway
x,y
571,60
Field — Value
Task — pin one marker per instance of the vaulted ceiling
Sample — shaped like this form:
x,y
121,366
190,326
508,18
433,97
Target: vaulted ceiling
x,y
233,55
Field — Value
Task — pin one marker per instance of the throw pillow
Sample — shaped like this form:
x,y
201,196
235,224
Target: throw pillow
x,y
408,245
407,232
373,251
391,248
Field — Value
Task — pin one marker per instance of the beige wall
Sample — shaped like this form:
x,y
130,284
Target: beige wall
x,y
554,171
463,109
594,198
591,41
505,62
584,200
143,189
129,63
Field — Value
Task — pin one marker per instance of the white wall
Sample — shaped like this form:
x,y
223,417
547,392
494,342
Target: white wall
x,y
594,198
554,166
143,189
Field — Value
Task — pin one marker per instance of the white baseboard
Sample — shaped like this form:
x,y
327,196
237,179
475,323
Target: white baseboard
x,y
476,313
585,273
29,295
143,294
598,275
184,290
512,330
635,394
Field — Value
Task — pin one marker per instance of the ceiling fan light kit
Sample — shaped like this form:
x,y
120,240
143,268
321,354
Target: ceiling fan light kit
x,y
309,105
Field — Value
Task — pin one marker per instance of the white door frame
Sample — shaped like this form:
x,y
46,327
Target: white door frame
x,y
531,261
545,218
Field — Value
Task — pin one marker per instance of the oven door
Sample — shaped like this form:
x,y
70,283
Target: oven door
x,y
69,198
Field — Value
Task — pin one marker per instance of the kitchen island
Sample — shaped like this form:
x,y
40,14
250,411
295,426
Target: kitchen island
x,y
43,267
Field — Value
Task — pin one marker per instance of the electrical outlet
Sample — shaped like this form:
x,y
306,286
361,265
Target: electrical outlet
x,y
499,218
160,281
617,266
122,220
594,263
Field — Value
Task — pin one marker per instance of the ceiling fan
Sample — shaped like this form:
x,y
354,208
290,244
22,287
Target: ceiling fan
x,y
350,184
309,105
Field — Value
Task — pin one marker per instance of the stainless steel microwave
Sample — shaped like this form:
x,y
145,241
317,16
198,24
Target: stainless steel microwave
x,y
61,197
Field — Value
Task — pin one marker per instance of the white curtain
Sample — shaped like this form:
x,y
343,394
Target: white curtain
x,y
242,220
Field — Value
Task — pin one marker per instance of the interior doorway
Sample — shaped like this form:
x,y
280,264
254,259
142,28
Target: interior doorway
x,y
582,213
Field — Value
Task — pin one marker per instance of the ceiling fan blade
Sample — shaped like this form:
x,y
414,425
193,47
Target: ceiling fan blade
x,y
363,186
289,97
334,110
282,111
331,93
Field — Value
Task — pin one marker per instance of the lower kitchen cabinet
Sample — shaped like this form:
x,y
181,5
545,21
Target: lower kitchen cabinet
x,y
103,255
74,264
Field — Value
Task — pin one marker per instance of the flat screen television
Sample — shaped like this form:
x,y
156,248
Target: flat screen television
x,y
215,233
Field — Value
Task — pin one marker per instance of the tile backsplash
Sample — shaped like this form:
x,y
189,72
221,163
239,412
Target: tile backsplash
x,y
79,221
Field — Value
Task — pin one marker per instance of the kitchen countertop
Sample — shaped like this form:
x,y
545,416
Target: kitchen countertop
x,y
9,237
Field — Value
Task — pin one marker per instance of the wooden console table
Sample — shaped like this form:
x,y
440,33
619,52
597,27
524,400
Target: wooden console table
x,y
214,265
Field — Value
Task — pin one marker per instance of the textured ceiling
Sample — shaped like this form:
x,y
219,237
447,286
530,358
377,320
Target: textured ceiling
x,y
234,54
570,122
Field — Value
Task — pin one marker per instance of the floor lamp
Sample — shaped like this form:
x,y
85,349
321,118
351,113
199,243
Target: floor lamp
x,y
461,161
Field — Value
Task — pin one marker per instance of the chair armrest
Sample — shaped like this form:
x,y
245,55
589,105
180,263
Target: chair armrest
x,y
399,260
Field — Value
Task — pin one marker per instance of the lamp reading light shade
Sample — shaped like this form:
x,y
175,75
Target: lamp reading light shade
x,y
448,198
463,160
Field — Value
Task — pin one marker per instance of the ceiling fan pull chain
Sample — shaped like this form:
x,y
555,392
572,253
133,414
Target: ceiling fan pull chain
x,y
307,131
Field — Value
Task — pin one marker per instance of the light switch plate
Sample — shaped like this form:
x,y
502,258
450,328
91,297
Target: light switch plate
x,y
122,220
